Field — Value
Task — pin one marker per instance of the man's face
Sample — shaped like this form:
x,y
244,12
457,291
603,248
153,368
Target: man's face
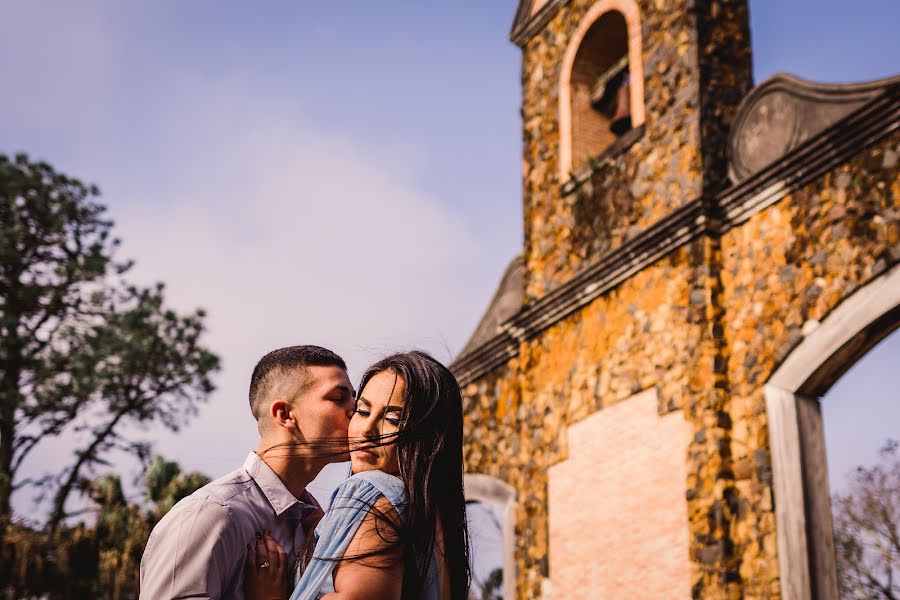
x,y
323,410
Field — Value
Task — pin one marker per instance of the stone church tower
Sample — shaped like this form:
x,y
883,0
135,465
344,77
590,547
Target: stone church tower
x,y
702,260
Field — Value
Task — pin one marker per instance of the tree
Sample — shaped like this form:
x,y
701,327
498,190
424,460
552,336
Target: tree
x,y
122,528
867,530
80,350
493,585
166,484
102,561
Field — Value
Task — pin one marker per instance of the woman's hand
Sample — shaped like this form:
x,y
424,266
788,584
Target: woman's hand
x,y
265,572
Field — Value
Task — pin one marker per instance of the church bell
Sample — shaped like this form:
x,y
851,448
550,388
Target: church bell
x,y
621,119
611,96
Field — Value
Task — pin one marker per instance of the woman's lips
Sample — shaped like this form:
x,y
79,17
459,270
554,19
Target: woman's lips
x,y
365,455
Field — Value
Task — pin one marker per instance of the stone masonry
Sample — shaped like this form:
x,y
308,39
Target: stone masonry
x,y
655,271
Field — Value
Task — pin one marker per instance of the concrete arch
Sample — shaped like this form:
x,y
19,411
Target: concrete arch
x,y
800,481
490,490
632,14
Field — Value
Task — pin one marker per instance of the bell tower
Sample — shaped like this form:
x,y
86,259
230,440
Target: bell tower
x,y
626,107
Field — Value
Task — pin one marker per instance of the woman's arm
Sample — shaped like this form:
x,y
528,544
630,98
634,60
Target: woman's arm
x,y
359,576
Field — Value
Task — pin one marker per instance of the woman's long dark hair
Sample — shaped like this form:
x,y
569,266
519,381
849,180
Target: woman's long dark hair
x,y
429,449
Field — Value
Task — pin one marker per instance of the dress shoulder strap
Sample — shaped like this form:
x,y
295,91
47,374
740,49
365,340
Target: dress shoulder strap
x,y
391,487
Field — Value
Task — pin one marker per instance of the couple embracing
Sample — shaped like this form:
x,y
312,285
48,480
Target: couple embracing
x,y
395,529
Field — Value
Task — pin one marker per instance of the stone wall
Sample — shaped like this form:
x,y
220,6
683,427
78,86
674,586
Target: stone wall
x,y
705,326
790,264
644,334
666,167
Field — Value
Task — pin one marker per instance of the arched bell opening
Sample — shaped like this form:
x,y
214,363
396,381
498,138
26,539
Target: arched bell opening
x,y
601,87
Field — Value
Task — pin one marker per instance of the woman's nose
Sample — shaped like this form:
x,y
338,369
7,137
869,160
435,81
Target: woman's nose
x,y
371,428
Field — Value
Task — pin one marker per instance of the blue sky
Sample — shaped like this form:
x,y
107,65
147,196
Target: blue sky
x,y
343,173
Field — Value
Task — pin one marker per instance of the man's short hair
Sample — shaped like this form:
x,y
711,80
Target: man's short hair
x,y
290,361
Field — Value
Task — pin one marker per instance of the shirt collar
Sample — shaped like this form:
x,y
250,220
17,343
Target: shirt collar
x,y
274,489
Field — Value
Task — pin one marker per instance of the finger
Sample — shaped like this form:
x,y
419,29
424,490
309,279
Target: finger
x,y
278,553
272,548
250,564
262,555
282,558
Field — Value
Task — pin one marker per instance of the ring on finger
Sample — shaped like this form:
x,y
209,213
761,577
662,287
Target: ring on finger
x,y
264,565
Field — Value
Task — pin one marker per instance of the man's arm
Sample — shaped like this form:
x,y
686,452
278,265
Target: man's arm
x,y
192,553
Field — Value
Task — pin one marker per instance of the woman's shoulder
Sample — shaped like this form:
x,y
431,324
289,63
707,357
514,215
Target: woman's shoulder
x,y
373,482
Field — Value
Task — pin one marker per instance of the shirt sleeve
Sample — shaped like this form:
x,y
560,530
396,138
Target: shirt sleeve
x,y
191,553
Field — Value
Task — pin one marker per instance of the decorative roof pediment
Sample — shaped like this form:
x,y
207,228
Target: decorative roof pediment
x,y
784,111
507,301
531,16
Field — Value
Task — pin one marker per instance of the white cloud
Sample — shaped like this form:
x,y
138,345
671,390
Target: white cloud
x,y
287,235
283,231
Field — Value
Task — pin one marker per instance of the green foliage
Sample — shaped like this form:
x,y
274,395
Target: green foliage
x,y
102,561
80,349
166,484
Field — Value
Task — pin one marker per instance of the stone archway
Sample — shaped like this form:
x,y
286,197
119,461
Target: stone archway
x,y
802,496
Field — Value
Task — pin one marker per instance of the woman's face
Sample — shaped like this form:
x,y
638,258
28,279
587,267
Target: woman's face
x,y
377,416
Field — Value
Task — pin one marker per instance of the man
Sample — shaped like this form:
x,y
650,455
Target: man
x,y
302,400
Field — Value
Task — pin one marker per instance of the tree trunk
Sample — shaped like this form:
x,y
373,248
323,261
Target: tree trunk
x,y
9,400
7,436
10,396
84,457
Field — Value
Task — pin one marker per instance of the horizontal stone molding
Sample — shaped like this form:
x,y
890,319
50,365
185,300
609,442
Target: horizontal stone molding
x,y
817,155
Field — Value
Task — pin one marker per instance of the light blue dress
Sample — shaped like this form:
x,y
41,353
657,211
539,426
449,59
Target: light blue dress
x,y
346,511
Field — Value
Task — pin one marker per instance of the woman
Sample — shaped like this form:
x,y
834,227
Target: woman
x,y
396,529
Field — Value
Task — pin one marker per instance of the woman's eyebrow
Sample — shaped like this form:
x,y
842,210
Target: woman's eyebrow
x,y
393,408
364,401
